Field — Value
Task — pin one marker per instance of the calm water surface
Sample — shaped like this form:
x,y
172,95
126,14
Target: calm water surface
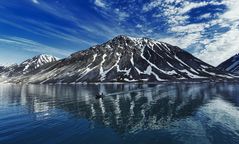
x,y
183,113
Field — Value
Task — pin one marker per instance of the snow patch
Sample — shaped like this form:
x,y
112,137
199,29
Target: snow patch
x,y
148,71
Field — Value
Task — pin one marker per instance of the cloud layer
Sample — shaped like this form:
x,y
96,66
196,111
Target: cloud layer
x,y
207,29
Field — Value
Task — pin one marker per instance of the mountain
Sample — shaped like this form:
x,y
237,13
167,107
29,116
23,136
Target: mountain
x,y
124,59
5,71
27,66
230,65
35,62
1,68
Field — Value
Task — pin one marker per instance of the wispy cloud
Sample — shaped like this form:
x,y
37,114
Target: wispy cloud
x,y
32,46
100,28
100,3
48,30
35,1
121,14
205,16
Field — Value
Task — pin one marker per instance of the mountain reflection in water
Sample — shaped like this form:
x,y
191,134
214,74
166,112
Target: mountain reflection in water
x,y
128,113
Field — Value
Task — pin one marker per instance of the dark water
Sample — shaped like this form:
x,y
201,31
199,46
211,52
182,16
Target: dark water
x,y
183,113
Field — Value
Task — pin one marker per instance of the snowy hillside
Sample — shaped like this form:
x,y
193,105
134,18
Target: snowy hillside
x,y
27,66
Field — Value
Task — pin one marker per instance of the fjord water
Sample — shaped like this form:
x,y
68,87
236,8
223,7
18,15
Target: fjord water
x,y
170,113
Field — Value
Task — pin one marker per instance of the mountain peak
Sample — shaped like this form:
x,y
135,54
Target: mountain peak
x,y
123,41
37,61
44,56
136,40
122,38
125,37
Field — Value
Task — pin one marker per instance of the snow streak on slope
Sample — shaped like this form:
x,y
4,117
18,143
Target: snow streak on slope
x,y
231,65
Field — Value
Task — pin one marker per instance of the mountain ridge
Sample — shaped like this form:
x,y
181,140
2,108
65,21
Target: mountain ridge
x,y
230,65
125,59
27,66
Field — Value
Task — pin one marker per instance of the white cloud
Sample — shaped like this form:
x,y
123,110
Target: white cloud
x,y
121,14
100,3
153,4
182,41
205,16
187,6
224,45
221,48
232,14
191,28
176,15
35,1
139,26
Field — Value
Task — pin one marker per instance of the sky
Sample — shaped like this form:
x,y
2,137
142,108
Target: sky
x,y
208,29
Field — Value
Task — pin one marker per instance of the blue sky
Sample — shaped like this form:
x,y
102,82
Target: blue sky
x,y
209,29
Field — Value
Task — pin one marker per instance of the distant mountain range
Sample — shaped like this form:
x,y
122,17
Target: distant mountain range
x,y
122,59
26,67
230,65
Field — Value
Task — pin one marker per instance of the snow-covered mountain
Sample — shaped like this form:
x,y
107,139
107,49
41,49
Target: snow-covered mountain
x,y
125,59
230,65
27,66
36,62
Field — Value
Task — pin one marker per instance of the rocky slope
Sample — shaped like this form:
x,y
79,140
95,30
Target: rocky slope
x,y
230,65
27,66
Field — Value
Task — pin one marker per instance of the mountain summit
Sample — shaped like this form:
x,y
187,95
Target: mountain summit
x,y
35,62
126,59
